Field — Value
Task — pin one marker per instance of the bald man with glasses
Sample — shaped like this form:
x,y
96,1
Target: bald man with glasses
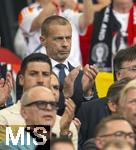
x,y
38,108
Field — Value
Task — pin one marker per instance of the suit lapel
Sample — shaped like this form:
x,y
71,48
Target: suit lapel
x,y
70,67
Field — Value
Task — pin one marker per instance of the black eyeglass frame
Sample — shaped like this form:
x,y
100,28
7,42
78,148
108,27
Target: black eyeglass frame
x,y
42,105
121,134
130,68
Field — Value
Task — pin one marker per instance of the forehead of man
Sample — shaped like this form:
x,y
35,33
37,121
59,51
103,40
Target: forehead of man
x,y
57,29
128,63
38,65
118,125
40,93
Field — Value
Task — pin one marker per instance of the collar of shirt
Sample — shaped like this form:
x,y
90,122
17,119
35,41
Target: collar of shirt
x,y
56,70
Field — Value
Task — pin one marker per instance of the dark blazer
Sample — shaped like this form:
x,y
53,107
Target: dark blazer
x,y
78,93
89,145
90,114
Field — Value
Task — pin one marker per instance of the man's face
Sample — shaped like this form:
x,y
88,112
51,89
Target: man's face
x,y
37,73
120,125
55,86
58,42
129,109
128,70
38,112
116,126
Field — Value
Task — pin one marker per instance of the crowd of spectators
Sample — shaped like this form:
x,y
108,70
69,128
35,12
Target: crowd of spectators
x,y
55,91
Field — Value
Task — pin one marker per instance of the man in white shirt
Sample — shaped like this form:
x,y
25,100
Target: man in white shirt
x,y
31,18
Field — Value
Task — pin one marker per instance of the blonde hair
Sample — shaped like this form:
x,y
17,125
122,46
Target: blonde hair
x,y
123,97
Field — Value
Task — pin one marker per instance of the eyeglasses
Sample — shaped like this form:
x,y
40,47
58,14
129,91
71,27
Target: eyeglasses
x,y
120,134
42,105
130,68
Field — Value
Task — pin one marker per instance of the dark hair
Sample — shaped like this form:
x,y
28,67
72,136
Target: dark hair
x,y
52,20
60,140
19,88
128,54
115,89
35,57
101,128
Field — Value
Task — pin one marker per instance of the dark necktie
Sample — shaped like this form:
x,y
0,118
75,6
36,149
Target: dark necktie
x,y
118,40
62,74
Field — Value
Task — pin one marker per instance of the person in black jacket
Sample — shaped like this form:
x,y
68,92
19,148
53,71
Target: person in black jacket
x,y
56,34
124,66
114,127
92,112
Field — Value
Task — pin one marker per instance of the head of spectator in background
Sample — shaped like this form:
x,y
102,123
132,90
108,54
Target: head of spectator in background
x,y
38,106
114,92
55,85
118,145
35,70
61,144
56,34
113,127
125,63
127,103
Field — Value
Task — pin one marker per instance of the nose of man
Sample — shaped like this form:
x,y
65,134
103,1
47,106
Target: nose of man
x,y
40,80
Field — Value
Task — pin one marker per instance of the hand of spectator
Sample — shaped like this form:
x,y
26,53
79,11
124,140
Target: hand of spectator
x,y
77,123
5,88
58,3
67,116
70,4
68,87
88,79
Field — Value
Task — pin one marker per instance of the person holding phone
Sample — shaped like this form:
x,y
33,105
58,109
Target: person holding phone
x,y
6,85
